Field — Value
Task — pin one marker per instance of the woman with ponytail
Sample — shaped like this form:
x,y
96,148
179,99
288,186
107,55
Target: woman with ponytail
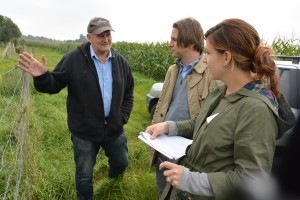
x,y
235,131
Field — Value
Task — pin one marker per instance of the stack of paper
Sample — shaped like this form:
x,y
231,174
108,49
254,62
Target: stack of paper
x,y
172,147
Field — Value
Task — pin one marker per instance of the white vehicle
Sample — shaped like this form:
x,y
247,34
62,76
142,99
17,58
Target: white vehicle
x,y
152,97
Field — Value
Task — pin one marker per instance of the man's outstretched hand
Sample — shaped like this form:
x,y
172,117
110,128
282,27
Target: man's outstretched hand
x,y
30,65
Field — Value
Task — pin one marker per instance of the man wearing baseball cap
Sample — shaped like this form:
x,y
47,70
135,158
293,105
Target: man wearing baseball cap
x,y
98,25
100,99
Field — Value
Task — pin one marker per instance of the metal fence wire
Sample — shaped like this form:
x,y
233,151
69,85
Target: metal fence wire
x,y
14,98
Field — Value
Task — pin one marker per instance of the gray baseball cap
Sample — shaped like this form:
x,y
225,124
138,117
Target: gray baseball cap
x,y
98,25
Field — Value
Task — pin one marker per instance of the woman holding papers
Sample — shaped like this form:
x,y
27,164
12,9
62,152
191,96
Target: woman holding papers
x,y
234,133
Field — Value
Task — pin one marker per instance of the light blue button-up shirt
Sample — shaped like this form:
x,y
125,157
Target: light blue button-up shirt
x,y
104,71
185,70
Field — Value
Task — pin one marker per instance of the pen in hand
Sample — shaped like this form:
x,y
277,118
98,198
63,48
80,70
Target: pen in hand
x,y
160,160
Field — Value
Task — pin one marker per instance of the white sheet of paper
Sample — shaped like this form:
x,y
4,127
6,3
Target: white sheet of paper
x,y
172,147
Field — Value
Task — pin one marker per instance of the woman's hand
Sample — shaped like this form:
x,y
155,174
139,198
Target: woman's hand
x,y
173,172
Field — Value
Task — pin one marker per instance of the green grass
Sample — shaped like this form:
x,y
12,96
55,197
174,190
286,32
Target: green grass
x,y
52,154
48,164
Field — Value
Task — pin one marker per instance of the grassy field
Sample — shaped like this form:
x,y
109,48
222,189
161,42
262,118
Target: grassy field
x,y
52,155
48,165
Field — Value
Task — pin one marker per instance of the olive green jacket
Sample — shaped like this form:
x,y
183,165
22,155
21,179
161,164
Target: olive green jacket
x,y
240,139
198,83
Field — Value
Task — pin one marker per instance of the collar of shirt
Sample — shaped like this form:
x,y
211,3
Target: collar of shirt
x,y
94,56
184,70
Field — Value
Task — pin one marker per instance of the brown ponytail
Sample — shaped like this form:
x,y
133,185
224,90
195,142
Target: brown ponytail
x,y
265,68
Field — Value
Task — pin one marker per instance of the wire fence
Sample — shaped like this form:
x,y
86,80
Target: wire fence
x,y
14,102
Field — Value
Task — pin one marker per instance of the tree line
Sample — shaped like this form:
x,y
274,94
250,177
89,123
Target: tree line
x,y
8,30
42,38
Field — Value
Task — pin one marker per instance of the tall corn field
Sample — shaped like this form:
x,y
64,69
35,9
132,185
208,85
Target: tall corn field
x,y
153,59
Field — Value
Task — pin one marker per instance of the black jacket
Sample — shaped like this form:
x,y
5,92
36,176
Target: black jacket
x,y
86,119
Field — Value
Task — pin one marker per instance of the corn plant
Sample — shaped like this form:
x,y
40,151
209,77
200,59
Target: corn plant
x,y
288,47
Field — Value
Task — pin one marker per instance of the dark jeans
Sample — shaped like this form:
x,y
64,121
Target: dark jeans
x,y
85,153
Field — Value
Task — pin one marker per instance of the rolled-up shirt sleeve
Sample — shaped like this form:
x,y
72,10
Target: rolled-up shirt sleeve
x,y
193,182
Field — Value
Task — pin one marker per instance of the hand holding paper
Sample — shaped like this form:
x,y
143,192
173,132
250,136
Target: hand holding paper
x,y
157,129
172,147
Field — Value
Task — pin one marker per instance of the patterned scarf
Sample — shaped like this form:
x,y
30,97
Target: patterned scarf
x,y
259,86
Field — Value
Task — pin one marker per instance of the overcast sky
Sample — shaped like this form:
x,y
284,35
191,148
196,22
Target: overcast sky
x,y
149,20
